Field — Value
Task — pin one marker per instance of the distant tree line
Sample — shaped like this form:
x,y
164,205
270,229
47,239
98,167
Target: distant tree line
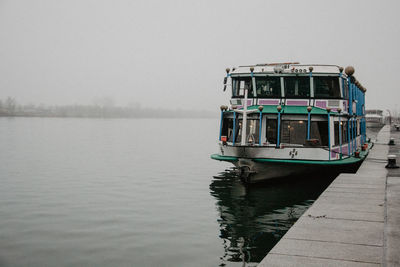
x,y
8,106
101,109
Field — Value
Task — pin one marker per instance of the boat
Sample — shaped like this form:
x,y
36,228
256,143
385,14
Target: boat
x,y
374,118
288,119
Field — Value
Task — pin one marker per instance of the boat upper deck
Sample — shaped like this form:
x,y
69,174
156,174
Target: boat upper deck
x,y
295,84
293,105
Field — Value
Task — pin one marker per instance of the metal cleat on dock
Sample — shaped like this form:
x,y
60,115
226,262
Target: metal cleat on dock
x,y
391,142
391,162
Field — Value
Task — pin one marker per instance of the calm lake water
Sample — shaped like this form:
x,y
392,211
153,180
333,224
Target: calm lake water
x,y
133,192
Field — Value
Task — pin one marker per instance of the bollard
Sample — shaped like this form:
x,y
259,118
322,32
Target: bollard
x,y
364,147
391,142
391,162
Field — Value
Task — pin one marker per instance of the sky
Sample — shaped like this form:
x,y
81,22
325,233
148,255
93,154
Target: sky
x,y
173,54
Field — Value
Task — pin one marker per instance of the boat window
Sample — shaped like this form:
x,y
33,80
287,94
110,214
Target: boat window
x,y
336,131
294,132
252,131
351,130
227,128
238,86
319,131
268,87
272,132
345,89
358,127
344,132
326,87
297,87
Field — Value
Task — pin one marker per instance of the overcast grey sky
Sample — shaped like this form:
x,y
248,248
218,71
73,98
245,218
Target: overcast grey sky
x,y
174,53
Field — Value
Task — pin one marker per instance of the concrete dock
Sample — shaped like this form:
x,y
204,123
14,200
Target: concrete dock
x,y
355,221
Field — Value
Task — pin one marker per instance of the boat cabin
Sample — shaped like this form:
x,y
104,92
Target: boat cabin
x,y
291,105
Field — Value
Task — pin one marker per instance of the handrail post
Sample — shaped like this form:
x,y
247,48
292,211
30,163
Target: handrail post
x,y
220,124
350,96
244,120
355,134
348,135
279,108
260,108
340,133
309,108
328,109
234,127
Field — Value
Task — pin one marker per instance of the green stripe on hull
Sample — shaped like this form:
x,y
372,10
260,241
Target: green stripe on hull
x,y
224,158
345,161
350,160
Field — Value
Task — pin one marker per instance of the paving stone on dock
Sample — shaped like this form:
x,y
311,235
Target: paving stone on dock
x,y
337,230
274,260
329,250
347,201
358,185
356,190
360,195
373,177
338,213
364,207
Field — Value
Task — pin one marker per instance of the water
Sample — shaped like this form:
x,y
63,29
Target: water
x,y
133,192
373,133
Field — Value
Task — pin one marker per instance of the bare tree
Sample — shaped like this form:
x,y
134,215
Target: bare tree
x,y
10,105
2,111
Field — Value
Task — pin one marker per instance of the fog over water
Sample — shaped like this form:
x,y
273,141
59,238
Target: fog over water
x,y
96,191
174,53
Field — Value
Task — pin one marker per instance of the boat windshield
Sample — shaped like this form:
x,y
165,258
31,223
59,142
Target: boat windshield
x,y
238,86
227,128
294,87
344,131
297,87
271,132
267,87
326,87
345,89
252,131
294,132
319,131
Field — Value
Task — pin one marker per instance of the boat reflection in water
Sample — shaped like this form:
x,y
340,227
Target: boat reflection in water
x,y
254,218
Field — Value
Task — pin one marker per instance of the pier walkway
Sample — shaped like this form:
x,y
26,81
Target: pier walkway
x,y
355,221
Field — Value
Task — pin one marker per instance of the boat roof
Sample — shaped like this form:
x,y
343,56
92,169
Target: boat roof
x,y
373,116
373,111
288,68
